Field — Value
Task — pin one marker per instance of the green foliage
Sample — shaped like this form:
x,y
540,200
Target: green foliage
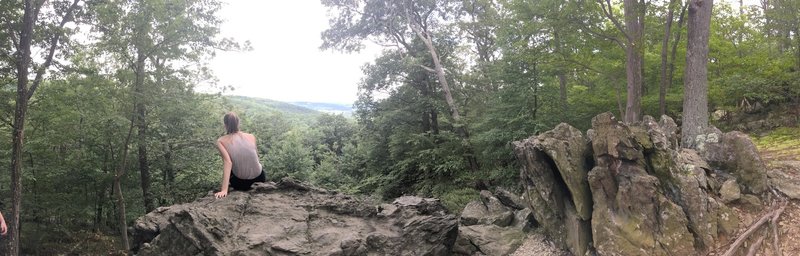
x,y
289,158
455,199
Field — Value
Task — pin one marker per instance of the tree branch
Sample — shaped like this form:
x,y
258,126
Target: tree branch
x,y
598,34
427,68
610,14
12,35
51,52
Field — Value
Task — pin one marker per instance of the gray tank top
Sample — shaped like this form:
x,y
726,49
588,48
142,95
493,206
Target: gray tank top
x,y
244,157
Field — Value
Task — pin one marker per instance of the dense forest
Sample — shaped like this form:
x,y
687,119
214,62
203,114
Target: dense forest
x,y
103,119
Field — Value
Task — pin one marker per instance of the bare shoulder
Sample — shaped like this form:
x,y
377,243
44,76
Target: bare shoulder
x,y
250,137
224,139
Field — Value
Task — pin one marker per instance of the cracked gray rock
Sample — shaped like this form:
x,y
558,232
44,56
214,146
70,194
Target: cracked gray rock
x,y
292,218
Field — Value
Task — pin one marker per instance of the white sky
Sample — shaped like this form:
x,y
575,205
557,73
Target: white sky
x,y
286,63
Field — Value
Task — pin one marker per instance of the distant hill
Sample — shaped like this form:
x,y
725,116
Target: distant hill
x,y
291,111
331,108
304,112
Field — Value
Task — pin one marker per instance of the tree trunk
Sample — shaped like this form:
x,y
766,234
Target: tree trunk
x,y
141,125
562,80
438,69
633,59
662,92
118,176
123,226
674,51
562,91
23,59
695,98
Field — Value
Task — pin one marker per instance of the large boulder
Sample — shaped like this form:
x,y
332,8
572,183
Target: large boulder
x,y
554,172
782,181
648,196
735,153
685,180
290,218
632,216
487,240
491,226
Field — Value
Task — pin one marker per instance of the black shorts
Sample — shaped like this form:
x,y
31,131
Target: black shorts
x,y
244,185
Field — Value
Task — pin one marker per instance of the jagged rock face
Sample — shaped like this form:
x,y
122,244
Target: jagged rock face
x,y
290,218
631,214
734,152
493,226
648,196
554,173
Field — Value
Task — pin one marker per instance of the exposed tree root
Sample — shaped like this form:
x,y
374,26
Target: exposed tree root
x,y
771,216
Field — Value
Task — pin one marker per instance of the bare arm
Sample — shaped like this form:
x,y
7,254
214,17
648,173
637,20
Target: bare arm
x,y
3,227
226,170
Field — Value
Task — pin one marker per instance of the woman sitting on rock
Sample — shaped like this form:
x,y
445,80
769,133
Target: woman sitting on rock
x,y
240,165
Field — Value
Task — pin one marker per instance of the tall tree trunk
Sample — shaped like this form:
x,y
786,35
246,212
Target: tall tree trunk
x,y
633,59
562,91
797,46
141,125
662,92
438,69
674,51
23,57
24,94
562,79
695,98
119,174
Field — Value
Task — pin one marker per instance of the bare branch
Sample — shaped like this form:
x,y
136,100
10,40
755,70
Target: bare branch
x,y
427,68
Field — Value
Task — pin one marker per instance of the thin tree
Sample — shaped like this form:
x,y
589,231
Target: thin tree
x,y
695,97
633,31
664,82
24,94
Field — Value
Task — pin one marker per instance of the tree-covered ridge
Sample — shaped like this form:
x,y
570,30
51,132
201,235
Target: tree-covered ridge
x,y
266,106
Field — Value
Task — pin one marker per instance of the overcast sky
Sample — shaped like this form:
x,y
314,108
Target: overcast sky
x,y
286,63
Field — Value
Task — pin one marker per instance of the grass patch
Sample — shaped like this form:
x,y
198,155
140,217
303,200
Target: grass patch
x,y
783,142
455,200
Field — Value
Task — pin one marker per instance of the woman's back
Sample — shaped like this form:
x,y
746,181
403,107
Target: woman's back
x,y
241,148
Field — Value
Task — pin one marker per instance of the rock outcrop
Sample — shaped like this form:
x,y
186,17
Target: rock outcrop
x,y
290,218
647,196
554,173
781,179
736,153
494,225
